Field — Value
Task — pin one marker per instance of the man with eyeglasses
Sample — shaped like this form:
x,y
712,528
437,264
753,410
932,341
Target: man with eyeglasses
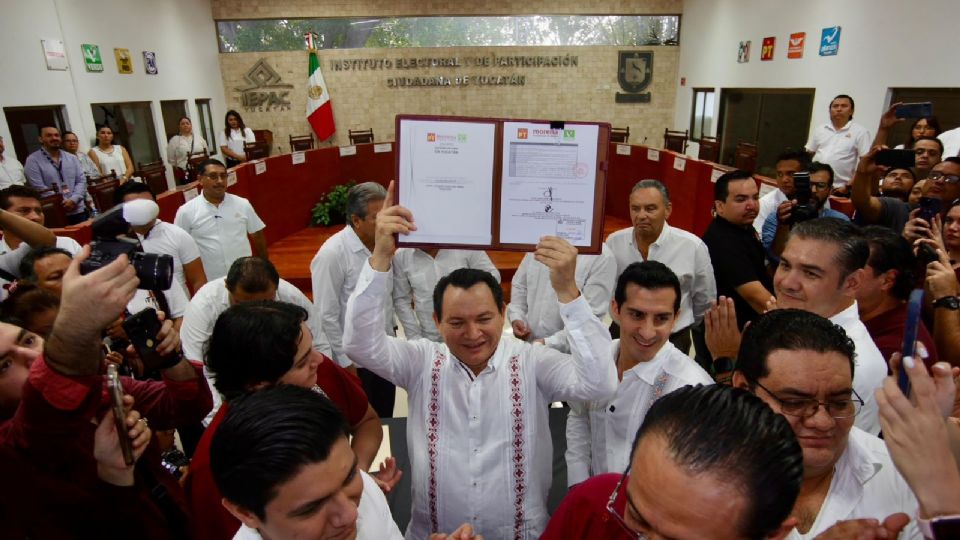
x,y
220,222
776,227
928,151
709,463
802,366
788,163
821,271
943,182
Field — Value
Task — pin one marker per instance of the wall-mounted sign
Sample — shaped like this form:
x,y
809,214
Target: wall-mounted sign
x,y
830,41
124,61
766,50
264,91
743,53
150,62
796,44
91,58
634,73
55,54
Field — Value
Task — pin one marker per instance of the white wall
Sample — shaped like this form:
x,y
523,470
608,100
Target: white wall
x,y
883,44
181,32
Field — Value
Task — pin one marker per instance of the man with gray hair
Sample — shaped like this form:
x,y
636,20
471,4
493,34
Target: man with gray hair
x,y
334,271
652,239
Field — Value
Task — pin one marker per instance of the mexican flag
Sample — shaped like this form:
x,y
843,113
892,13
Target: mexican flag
x,y
319,108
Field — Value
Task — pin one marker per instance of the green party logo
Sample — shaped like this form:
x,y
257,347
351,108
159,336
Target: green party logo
x,y
569,134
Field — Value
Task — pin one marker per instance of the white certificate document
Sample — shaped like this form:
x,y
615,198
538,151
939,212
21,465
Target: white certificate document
x,y
549,180
446,180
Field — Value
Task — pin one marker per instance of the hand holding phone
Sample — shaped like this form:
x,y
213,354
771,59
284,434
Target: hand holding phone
x,y
909,345
143,331
915,110
119,413
896,159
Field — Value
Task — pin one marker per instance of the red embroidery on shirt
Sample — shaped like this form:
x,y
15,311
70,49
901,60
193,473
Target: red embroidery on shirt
x,y
433,436
519,470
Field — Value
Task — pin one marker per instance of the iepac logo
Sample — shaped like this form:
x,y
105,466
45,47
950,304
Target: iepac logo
x,y
431,137
521,133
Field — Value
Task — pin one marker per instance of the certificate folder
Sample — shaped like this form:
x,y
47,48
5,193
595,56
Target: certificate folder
x,y
501,184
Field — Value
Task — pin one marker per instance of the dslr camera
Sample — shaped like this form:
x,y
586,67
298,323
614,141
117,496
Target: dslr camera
x,y
806,207
112,238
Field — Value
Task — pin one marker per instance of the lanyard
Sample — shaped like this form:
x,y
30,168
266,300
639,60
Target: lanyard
x,y
58,166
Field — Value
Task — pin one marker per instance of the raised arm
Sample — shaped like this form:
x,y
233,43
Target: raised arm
x,y
861,194
364,340
587,374
34,234
597,290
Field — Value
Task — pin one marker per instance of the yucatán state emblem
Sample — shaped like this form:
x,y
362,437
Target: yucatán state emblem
x,y
635,73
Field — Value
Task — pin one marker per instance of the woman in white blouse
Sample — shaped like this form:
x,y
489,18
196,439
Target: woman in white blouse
x,y
233,137
111,157
181,146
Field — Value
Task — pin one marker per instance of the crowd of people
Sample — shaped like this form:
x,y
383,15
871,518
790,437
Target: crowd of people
x,y
746,383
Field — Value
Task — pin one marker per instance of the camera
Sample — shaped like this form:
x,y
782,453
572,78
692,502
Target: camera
x,y
111,238
806,207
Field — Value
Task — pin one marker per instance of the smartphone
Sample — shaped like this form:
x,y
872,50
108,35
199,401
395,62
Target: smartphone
x,y
915,110
929,208
119,413
897,159
909,347
142,329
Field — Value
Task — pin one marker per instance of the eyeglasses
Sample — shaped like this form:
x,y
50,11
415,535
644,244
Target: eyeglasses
x,y
948,178
216,176
807,407
819,186
616,515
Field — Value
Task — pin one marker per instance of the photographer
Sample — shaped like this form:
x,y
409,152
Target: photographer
x,y
46,446
810,194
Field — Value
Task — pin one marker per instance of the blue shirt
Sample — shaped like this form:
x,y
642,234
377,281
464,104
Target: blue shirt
x,y
770,231
43,172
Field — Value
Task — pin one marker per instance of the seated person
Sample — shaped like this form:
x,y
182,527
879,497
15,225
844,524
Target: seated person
x,y
266,343
283,462
776,227
802,365
709,462
47,403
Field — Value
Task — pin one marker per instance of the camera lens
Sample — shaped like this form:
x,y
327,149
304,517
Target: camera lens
x,y
154,271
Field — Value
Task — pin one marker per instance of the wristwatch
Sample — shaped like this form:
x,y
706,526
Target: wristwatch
x,y
723,364
947,302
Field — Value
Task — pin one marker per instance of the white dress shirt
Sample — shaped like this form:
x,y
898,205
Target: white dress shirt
x,y
11,172
865,485
870,368
480,445
206,306
236,140
63,242
840,148
600,433
179,149
533,300
951,142
768,205
416,274
168,239
220,231
683,253
374,520
333,273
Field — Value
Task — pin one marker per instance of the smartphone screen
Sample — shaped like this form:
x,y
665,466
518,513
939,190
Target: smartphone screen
x,y
909,347
898,159
915,110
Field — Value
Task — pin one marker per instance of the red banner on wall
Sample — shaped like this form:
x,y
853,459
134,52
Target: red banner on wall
x,y
766,52
796,44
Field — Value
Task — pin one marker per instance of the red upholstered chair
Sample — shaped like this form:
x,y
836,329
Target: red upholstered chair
x,y
842,205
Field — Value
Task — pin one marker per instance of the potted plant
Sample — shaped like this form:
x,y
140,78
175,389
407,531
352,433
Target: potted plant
x,y
332,207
